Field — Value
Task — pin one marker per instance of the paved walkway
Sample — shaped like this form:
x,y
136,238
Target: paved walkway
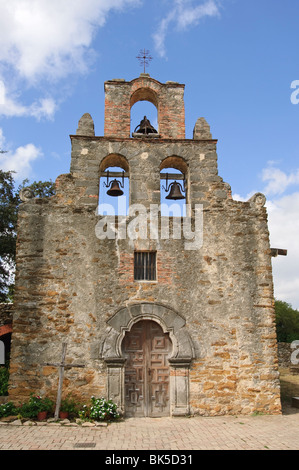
x,y
177,434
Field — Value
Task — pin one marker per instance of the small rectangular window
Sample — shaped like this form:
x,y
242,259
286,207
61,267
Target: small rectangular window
x,y
145,266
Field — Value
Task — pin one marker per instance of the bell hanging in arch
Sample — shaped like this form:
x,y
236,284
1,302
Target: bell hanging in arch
x,y
175,191
114,186
115,190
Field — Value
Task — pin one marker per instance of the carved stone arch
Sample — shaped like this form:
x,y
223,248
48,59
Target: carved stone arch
x,y
180,359
170,321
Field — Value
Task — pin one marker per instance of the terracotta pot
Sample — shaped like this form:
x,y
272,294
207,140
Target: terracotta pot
x,y
63,414
42,415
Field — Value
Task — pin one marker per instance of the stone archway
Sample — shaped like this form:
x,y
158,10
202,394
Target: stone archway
x,y
179,361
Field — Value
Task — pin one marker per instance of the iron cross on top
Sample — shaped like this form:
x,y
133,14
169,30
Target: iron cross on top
x,y
144,58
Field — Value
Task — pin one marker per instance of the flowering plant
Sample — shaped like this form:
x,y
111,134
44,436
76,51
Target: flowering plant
x,y
7,409
102,409
35,404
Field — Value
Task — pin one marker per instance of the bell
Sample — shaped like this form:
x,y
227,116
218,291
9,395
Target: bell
x,y
145,127
175,192
115,190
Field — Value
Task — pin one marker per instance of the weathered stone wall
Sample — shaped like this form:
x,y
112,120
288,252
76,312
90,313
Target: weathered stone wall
x,y
70,283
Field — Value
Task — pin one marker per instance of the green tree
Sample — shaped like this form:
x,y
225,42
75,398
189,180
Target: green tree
x,y
9,202
39,188
287,322
9,205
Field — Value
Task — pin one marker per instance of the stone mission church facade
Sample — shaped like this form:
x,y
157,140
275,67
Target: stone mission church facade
x,y
163,328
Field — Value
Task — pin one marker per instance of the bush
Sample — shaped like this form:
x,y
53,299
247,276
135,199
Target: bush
x,y
35,404
69,405
8,409
102,409
99,410
287,322
4,376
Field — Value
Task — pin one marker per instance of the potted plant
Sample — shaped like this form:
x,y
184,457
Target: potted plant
x,y
37,407
44,406
68,407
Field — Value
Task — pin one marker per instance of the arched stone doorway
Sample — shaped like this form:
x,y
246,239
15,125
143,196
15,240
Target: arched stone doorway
x,y
146,349
179,354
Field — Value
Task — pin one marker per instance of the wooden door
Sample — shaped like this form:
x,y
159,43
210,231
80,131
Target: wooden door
x,y
146,349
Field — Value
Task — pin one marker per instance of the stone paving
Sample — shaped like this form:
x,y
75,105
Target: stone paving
x,y
280,432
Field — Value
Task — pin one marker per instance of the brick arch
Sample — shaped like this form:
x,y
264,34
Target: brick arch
x,y
5,329
167,97
145,94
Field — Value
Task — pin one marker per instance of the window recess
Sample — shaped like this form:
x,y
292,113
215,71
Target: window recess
x,y
145,266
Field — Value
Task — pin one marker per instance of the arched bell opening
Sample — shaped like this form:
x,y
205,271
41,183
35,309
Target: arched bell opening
x,y
174,188
114,187
146,349
144,120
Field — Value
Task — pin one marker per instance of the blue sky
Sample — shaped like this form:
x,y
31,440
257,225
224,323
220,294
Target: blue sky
x,y
238,60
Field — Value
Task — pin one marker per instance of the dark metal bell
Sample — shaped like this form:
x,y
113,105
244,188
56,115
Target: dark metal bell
x,y
145,127
175,192
115,190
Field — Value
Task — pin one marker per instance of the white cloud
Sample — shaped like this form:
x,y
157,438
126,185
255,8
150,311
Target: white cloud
x,y
2,141
10,107
45,107
44,41
19,160
51,38
183,15
190,16
283,216
238,197
278,180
